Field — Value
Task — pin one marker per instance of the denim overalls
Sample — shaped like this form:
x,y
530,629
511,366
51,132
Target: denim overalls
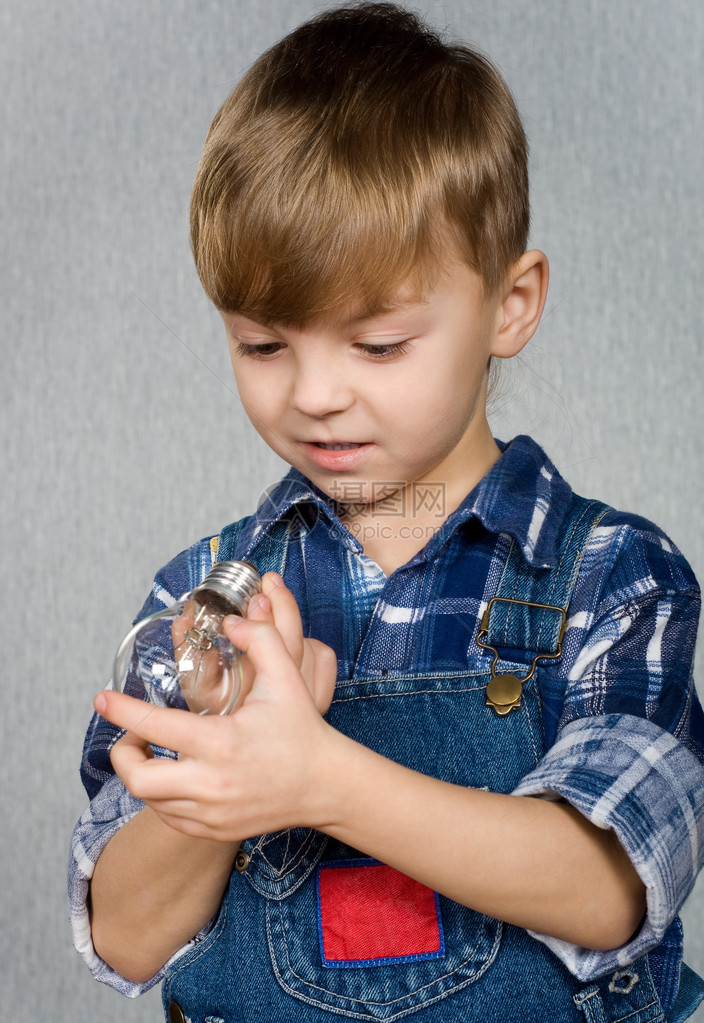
x,y
311,929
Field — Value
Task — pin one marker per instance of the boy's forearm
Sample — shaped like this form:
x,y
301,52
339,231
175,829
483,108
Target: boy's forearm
x,y
153,889
531,862
535,863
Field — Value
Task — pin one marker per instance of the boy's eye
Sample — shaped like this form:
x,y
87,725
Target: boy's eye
x,y
260,351
387,351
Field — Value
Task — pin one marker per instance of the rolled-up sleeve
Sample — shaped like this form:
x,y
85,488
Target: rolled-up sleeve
x,y
107,812
111,805
627,774
628,746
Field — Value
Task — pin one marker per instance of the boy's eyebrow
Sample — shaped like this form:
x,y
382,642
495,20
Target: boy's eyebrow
x,y
356,316
388,308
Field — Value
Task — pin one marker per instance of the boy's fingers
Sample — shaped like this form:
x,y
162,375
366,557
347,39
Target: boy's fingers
x,y
157,780
259,609
287,617
173,729
266,650
325,660
129,751
274,604
324,674
145,775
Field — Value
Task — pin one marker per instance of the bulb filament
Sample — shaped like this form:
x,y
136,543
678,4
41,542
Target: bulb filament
x,y
199,639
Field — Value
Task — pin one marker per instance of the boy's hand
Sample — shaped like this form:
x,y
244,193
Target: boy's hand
x,y
316,661
258,769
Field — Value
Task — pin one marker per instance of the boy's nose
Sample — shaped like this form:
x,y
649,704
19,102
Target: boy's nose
x,y
321,391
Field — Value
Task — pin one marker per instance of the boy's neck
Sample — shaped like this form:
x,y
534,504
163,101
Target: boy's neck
x,y
393,530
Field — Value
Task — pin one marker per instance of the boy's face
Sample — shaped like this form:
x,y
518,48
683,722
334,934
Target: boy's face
x,y
365,406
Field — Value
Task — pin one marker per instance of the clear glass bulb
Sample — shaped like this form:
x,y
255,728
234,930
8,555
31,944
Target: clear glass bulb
x,y
179,657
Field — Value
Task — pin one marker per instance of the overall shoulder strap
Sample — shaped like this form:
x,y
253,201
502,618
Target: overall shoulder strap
x,y
530,606
529,612
270,554
227,541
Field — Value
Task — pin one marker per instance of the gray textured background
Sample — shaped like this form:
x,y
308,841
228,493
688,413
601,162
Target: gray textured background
x,y
124,440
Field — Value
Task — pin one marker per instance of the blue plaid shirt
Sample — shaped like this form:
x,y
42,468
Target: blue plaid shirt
x,y
626,746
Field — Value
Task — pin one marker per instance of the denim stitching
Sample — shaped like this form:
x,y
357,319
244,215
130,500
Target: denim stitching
x,y
412,676
591,1005
284,858
367,1001
558,572
415,692
602,512
267,885
537,748
302,852
203,946
622,1019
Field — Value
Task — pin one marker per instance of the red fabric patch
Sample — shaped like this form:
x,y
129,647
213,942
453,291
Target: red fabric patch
x,y
371,911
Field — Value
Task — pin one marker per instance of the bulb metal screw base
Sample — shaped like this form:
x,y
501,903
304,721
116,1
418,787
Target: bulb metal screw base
x,y
230,584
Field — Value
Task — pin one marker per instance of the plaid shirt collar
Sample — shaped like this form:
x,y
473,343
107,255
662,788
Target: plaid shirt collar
x,y
522,495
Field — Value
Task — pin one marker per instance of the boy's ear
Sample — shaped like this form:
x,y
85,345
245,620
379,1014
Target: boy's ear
x,y
522,304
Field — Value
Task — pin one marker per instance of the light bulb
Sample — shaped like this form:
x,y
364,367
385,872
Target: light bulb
x,y
179,657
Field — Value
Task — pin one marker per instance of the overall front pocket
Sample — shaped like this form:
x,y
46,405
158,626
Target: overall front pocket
x,y
395,951
397,948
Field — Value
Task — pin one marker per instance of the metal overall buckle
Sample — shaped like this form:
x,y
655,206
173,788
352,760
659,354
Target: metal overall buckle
x,y
503,693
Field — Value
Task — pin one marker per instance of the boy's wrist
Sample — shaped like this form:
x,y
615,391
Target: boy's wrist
x,y
335,773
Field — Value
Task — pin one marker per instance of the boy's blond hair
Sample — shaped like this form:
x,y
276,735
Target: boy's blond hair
x,y
348,157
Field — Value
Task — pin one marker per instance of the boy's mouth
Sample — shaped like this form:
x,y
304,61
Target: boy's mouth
x,y
336,447
338,456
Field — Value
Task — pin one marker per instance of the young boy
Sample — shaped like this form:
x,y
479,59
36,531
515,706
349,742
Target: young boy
x,y
445,632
